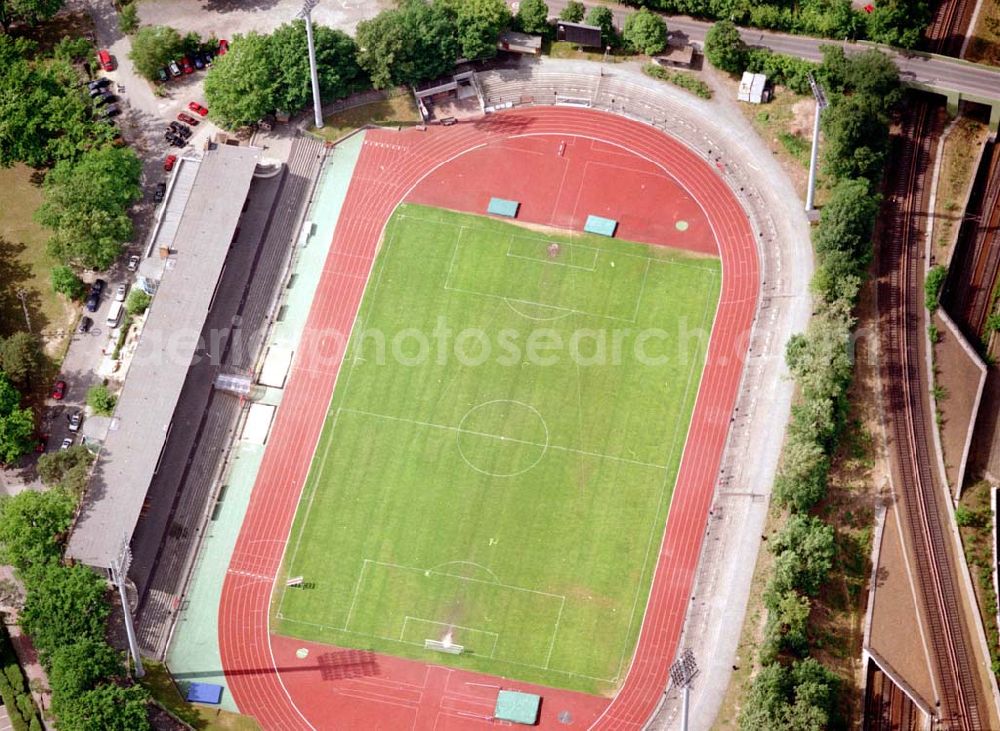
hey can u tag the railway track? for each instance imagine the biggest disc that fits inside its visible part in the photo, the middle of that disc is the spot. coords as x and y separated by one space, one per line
887 707
900 301
968 293
946 32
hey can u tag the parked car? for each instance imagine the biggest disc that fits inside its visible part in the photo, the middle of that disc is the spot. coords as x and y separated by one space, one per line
196 107
168 164
209 55
85 324
93 302
161 191
122 289
163 74
182 129
104 98
174 139
106 59
75 420
59 390
133 261
223 47
187 119
186 66
99 83
111 110
174 69
66 443
98 287
198 61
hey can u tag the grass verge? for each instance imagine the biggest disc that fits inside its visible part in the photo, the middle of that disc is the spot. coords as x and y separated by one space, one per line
984 46
958 159
395 111
470 486
975 524
163 689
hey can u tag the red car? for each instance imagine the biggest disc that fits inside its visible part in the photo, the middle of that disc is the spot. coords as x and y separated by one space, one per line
186 66
59 390
223 47
187 119
196 107
107 62
168 164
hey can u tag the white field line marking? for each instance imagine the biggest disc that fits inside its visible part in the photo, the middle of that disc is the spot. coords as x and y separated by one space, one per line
498 437
354 599
555 631
544 244
659 505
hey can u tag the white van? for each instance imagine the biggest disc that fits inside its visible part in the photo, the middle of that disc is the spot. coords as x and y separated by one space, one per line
115 314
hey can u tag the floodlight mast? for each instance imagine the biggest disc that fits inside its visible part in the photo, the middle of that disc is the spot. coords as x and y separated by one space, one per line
682 674
821 103
119 575
306 15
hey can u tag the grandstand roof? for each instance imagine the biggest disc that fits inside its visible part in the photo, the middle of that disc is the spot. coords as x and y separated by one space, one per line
197 230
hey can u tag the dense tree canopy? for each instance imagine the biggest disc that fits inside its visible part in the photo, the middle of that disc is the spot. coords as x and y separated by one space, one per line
573 12
603 18
645 32
479 22
848 219
19 357
109 708
724 48
533 16
153 47
413 43
17 425
27 11
77 668
336 52
239 88
30 526
86 205
65 604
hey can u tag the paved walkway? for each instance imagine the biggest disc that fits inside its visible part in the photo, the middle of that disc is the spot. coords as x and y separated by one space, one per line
193 654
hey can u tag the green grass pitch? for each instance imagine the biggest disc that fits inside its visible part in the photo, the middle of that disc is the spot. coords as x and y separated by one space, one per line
498 459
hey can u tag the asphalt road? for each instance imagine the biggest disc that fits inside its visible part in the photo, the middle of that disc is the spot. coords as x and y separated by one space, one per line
947 74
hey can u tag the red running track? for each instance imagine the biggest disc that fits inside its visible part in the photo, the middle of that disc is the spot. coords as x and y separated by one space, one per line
348 689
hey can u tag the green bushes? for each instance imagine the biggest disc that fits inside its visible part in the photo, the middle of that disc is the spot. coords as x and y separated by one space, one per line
14 691
792 690
686 81
932 286
101 400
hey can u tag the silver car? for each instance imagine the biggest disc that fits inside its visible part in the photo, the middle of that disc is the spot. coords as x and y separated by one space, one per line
75 420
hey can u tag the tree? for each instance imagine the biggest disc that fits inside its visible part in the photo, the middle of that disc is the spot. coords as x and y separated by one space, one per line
79 667
847 220
17 425
109 708
22 103
128 19
410 44
898 23
19 357
645 32
603 18
86 204
29 12
766 701
533 17
573 12
479 22
787 623
336 61
857 137
239 87
54 466
808 544
153 47
138 302
65 604
31 526
724 48
65 281
101 400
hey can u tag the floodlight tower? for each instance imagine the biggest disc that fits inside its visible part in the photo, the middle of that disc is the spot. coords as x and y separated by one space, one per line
821 103
682 673
306 15
119 575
